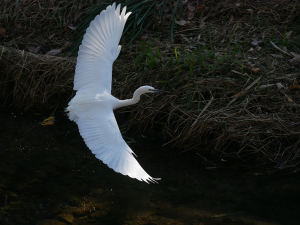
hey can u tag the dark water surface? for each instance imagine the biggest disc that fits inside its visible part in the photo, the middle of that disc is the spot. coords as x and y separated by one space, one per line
48 176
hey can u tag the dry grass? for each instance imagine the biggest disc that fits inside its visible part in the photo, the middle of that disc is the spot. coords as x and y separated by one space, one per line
35 80
216 98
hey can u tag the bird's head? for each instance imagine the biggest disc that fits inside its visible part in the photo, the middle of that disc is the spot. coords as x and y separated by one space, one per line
149 89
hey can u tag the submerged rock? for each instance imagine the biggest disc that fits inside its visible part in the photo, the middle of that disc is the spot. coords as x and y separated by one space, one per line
98 214
86 209
67 217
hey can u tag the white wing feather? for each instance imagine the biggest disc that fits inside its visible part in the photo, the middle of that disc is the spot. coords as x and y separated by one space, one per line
101 134
99 49
92 107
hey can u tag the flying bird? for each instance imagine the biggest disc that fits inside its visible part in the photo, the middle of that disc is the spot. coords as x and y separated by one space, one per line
92 106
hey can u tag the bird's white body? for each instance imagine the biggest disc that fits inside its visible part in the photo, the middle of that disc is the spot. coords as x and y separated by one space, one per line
92 106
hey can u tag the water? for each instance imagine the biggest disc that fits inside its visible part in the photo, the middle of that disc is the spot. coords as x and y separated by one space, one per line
48 176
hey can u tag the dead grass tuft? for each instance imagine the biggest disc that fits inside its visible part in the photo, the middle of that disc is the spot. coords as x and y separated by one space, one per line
30 80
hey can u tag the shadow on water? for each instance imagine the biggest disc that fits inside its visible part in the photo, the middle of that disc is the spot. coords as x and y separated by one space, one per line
48 176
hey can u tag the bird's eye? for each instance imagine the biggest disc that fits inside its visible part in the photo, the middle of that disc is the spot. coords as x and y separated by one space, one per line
150 89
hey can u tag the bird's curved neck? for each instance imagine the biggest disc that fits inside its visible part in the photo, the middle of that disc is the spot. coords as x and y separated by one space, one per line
135 99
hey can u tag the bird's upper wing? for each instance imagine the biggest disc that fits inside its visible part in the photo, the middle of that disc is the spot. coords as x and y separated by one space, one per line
101 134
99 49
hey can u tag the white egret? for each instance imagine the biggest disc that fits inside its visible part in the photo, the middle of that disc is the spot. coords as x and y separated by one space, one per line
92 106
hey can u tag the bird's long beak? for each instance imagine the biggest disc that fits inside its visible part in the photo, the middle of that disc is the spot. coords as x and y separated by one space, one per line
160 90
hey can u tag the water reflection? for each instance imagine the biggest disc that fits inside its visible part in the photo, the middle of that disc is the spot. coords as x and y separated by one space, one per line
48 176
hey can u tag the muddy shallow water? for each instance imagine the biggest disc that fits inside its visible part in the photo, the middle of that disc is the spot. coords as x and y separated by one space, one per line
48 176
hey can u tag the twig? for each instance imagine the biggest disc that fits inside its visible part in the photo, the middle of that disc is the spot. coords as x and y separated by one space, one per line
203 110
280 49
243 92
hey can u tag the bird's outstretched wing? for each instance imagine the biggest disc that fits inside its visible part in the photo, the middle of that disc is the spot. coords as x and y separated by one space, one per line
101 134
99 49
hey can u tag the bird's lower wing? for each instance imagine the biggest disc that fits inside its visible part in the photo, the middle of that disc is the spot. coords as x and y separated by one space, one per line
99 49
102 135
